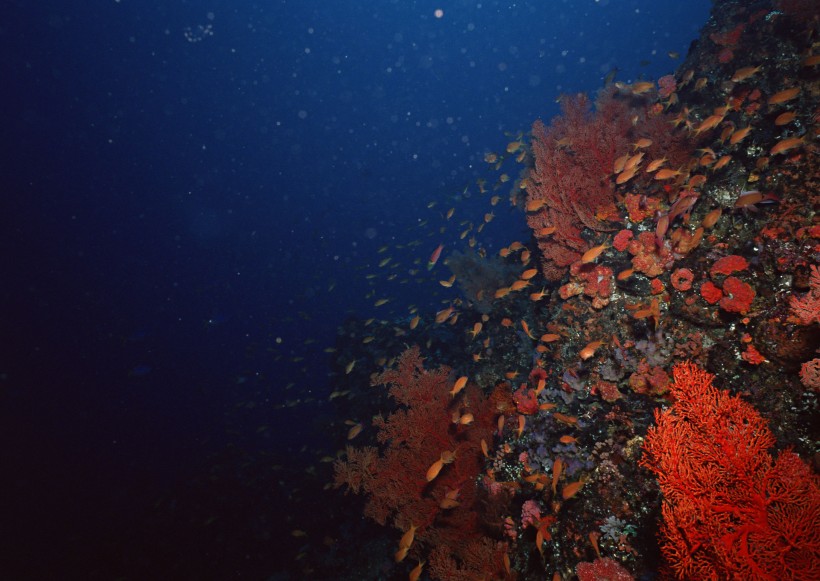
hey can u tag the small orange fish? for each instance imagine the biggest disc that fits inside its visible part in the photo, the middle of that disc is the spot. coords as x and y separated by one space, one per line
542 383
502 292
785 118
533 205
655 164
722 162
541 233
519 284
538 295
557 468
434 470
449 282
526 329
452 493
506 322
416 572
642 143
434 257
354 431
593 253
565 419
626 175
567 440
466 419
785 145
414 322
619 164
666 174
784 95
522 422
748 198
408 537
461 382
642 87
401 554
444 314
529 273
484 448
550 337
590 349
661 228
709 123
744 73
625 274
571 489
711 218
739 135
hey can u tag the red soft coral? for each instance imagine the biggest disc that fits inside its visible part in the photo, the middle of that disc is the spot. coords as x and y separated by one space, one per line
737 296
728 265
682 279
710 292
526 401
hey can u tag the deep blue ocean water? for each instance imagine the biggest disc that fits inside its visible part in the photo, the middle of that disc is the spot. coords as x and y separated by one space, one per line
193 197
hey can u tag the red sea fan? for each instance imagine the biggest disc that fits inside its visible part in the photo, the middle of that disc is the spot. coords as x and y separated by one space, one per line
571 182
731 510
412 438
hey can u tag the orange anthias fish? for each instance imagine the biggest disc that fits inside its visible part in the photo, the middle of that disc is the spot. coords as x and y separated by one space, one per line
785 145
571 489
408 537
459 385
416 572
783 96
593 253
590 349
436 467
527 329
450 499
434 257
557 468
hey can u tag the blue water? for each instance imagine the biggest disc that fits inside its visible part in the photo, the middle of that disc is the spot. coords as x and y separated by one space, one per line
193 194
